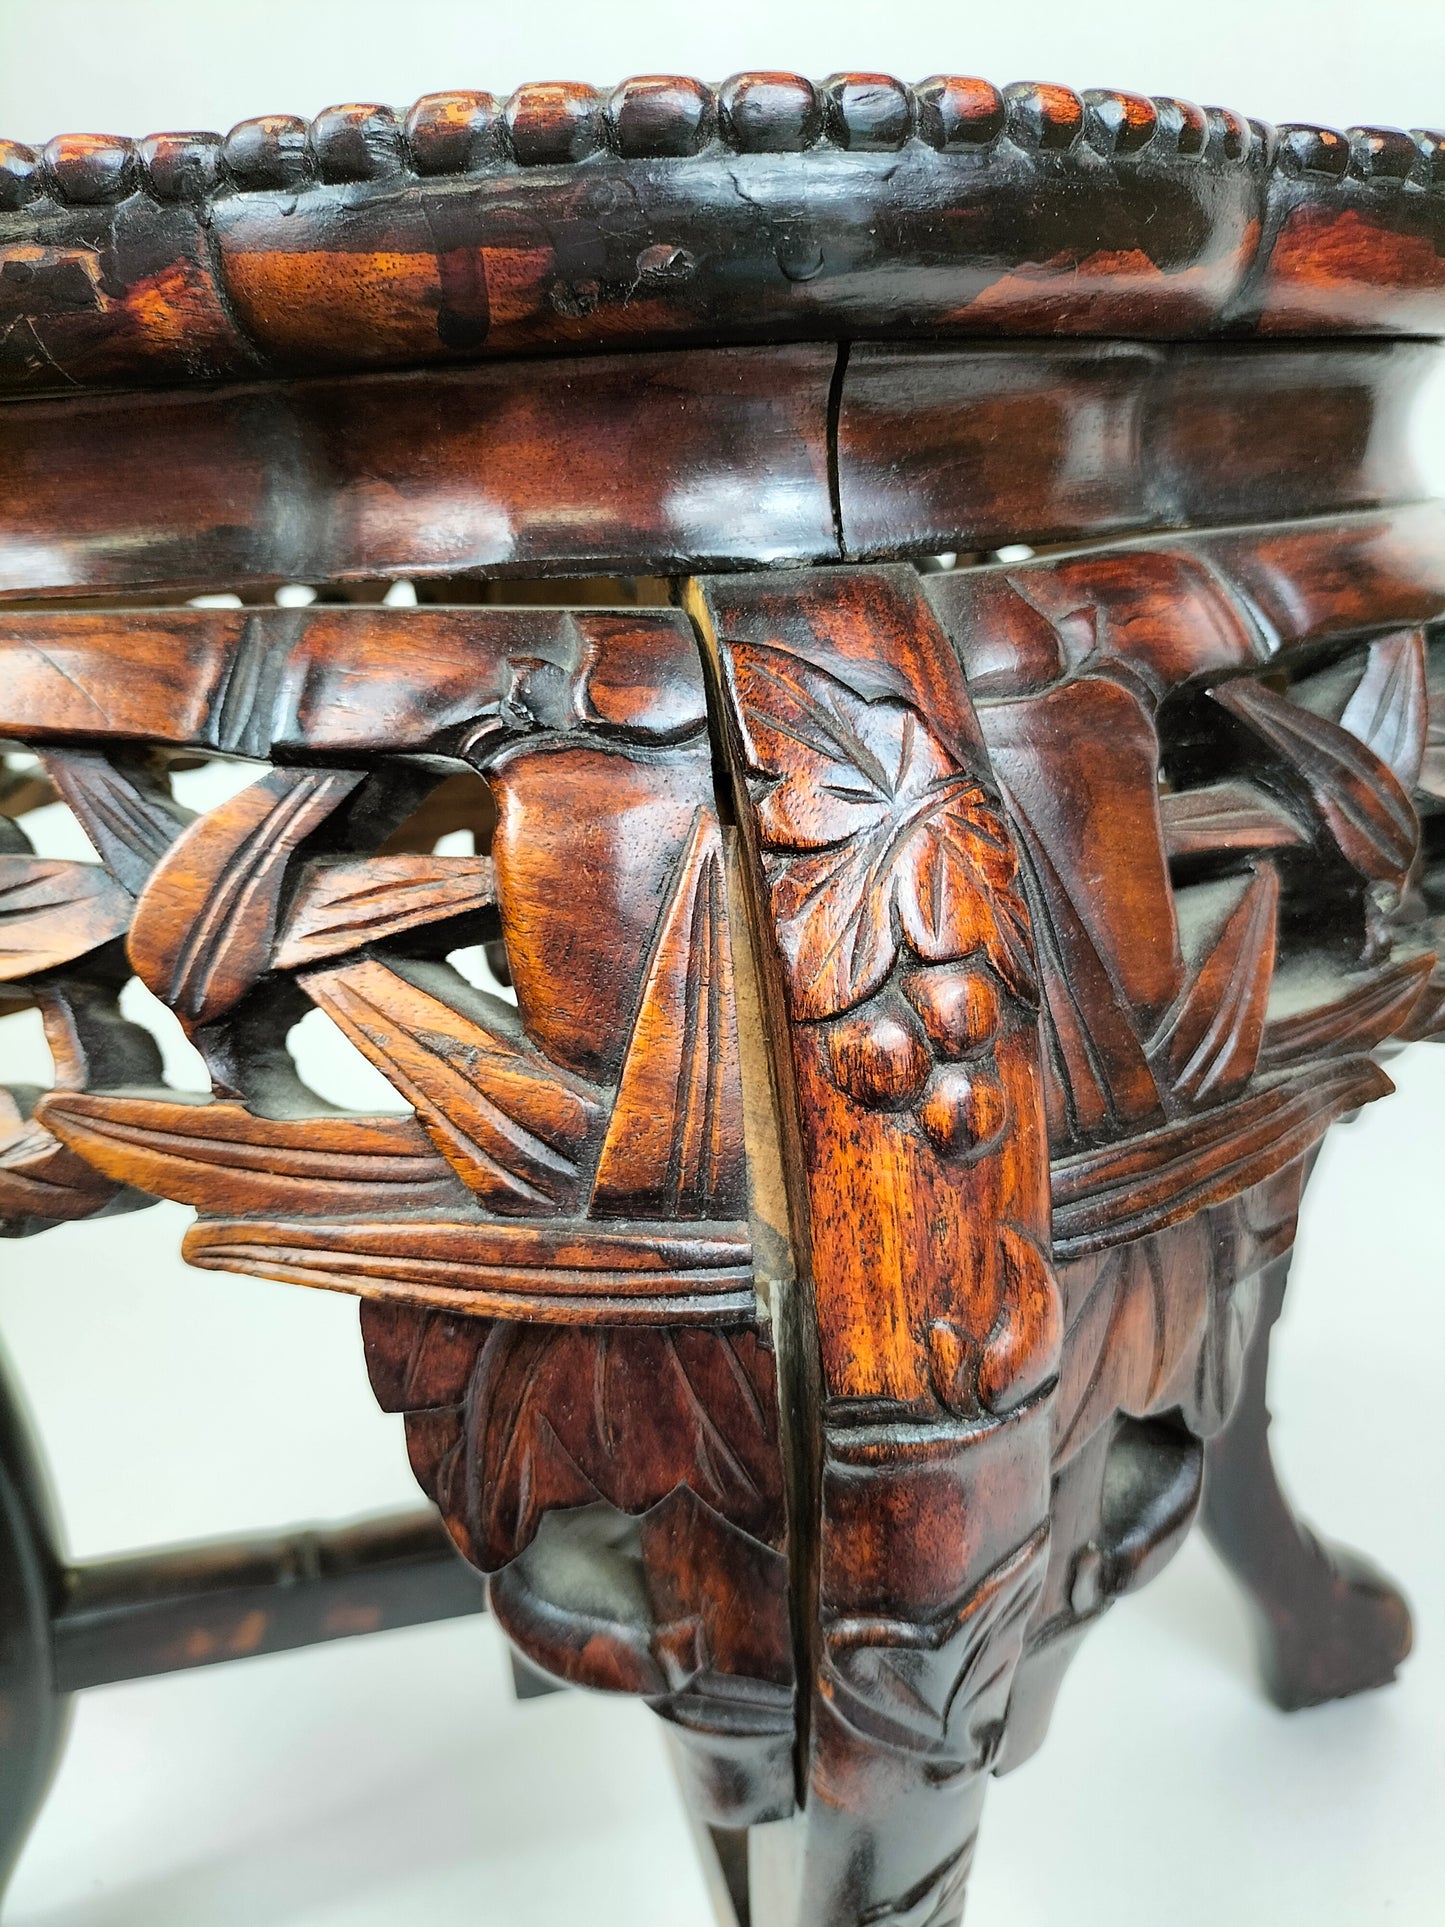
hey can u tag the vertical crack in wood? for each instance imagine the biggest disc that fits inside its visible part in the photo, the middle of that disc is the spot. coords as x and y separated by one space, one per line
778 1211
835 416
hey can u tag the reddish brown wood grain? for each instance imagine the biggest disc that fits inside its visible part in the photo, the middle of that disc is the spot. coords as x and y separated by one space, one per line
1349 250
713 457
879 864
770 207
942 969
1170 608
612 461
945 448
342 681
220 1155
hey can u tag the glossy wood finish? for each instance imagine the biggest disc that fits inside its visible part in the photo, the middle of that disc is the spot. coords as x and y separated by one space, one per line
948 448
768 208
165 1612
1327 1621
897 899
714 458
34 1704
1166 608
898 974
931 914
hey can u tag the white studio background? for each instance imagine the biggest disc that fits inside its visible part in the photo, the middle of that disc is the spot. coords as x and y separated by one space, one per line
392 1781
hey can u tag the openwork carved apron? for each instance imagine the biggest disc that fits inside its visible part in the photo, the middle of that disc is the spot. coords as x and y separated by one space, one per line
852 1101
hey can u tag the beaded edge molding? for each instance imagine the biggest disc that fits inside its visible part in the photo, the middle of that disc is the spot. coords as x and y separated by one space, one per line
557 123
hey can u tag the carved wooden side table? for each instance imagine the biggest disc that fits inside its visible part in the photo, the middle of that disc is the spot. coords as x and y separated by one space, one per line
924 610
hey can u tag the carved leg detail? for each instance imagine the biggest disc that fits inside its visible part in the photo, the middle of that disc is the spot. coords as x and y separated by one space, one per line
715 1275
33 1715
919 1333
1327 1622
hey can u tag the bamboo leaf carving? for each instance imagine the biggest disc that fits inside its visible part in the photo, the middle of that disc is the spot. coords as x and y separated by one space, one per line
53 912
1208 1045
342 903
512 1124
220 1157
1389 710
1358 797
205 924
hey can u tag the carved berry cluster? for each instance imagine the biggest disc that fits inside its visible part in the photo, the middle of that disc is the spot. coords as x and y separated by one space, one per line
930 1049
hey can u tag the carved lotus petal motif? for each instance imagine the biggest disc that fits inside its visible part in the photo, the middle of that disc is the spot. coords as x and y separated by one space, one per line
874 836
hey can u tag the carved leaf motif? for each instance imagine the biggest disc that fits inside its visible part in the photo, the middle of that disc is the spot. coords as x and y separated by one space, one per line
1219 1369
1231 816
53 912
1367 1010
1427 1017
1357 795
92 1046
1081 764
551 1418
1388 711
938 1686
39 1176
555 1271
1134 1313
1105 1197
1432 764
511 1123
1208 1045
674 1143
342 903
933 1902
220 1157
126 811
205 923
587 847
875 836
1097 1076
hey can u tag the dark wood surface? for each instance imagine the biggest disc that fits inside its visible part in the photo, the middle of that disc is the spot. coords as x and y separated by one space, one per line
656 463
34 1704
957 820
164 1612
898 977
968 1004
1327 1622
768 208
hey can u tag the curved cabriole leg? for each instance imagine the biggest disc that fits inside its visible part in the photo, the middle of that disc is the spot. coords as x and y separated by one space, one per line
920 1337
33 1715
1327 1623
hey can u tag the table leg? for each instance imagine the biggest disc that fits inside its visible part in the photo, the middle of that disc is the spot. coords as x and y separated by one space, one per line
919 1330
33 1713
1327 1622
